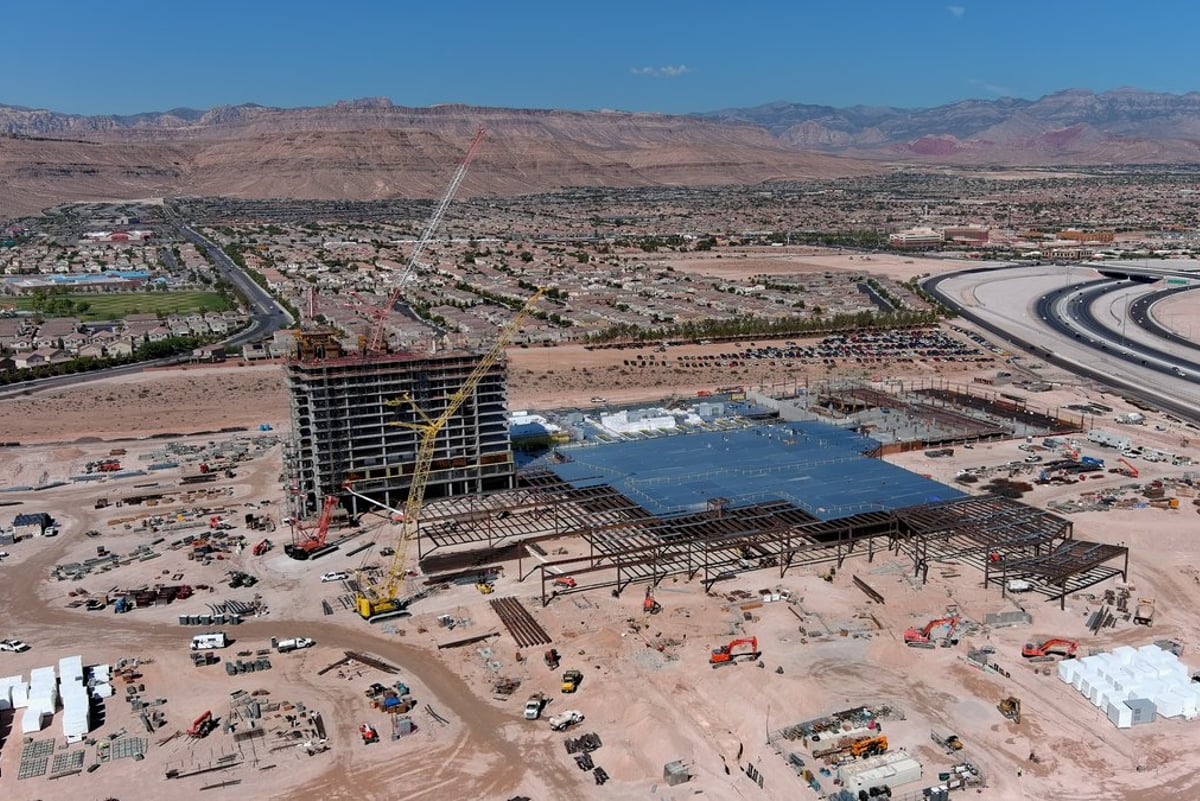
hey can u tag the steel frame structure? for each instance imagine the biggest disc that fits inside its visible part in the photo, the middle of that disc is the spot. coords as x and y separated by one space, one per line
626 544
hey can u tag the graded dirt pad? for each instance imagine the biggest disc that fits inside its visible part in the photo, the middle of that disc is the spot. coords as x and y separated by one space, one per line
648 690
798 260
1178 313
154 401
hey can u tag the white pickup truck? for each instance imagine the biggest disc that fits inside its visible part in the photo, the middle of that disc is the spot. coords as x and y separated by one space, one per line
294 644
564 720
533 707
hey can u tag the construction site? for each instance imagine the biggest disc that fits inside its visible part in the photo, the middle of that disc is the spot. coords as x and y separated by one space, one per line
872 588
886 631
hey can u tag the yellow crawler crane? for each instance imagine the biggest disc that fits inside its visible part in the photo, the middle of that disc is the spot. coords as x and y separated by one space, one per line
383 600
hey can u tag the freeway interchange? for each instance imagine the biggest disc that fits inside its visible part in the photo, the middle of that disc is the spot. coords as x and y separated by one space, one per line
1100 325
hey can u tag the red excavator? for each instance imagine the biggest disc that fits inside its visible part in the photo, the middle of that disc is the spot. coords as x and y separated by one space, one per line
308 542
920 638
1046 650
1129 470
725 655
650 606
261 547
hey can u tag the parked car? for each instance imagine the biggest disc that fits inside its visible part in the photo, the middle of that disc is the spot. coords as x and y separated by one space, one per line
16 646
335 575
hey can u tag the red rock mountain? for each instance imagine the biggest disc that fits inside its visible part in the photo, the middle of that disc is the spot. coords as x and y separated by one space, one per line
371 149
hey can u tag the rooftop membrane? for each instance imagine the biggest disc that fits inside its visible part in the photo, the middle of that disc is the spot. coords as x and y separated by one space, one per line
817 467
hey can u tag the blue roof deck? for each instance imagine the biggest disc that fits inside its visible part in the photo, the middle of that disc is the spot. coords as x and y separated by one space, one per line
817 467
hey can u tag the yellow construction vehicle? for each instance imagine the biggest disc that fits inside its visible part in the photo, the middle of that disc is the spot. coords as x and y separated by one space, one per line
1011 708
383 600
571 680
869 747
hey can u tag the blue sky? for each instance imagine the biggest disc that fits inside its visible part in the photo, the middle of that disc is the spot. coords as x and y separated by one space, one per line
667 56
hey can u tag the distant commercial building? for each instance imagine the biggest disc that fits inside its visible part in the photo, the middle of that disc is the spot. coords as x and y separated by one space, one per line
118 236
916 239
1075 235
348 416
1059 251
967 235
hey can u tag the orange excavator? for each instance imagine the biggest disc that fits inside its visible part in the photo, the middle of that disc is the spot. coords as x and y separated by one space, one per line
1129 470
921 638
1046 650
725 654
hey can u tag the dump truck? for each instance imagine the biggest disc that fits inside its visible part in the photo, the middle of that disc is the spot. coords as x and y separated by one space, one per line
1143 615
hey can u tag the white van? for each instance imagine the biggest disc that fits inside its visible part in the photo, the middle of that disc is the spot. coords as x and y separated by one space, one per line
216 639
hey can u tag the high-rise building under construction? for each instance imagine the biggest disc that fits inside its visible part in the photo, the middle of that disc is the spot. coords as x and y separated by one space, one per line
349 416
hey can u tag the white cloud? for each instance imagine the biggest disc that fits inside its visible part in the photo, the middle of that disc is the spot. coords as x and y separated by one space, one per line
956 11
661 72
995 89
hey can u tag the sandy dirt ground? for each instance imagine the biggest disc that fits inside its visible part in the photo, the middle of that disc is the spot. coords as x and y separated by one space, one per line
648 691
799 261
1178 313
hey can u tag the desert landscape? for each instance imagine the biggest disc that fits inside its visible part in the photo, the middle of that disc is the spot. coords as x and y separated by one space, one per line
647 692
411 403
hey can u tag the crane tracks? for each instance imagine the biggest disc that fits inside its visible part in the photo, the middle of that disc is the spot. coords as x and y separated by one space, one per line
520 624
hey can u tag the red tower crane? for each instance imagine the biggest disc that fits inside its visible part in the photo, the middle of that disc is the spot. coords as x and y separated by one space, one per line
374 343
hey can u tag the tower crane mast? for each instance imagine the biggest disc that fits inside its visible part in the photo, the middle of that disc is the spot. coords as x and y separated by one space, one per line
383 600
376 340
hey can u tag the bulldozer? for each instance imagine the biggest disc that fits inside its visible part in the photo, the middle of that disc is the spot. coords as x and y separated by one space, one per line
1011 708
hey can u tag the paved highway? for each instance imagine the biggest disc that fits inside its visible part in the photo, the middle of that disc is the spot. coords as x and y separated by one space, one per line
1071 311
266 315
1050 322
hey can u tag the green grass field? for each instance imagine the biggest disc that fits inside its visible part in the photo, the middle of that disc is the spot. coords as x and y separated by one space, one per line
114 307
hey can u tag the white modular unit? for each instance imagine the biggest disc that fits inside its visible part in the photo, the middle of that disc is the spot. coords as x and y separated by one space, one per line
1120 714
34 719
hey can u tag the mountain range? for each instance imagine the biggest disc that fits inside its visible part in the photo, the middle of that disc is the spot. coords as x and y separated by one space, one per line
371 148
